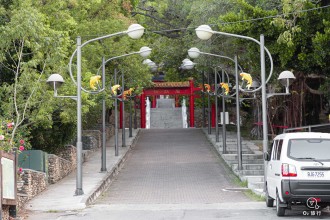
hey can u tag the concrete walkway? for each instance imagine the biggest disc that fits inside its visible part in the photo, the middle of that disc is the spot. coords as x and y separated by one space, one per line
60 196
173 166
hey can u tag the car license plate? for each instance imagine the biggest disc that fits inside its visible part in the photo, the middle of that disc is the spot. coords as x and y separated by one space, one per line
316 174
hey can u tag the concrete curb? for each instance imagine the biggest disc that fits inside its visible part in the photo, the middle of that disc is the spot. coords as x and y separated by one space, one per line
107 180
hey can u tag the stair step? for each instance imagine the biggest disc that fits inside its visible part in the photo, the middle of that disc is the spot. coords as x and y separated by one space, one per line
244 156
253 178
257 161
165 103
249 166
235 152
251 172
166 118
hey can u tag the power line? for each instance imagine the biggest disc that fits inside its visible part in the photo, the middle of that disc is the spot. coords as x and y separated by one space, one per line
275 16
248 20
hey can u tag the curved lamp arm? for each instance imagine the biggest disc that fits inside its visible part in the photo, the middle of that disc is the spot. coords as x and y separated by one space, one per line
204 32
98 70
221 56
105 62
223 95
82 45
134 31
212 93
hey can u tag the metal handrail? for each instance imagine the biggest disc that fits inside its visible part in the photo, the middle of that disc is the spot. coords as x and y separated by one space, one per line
309 127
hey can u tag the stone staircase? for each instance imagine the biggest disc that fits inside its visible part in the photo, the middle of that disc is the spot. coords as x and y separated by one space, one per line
252 160
165 103
166 115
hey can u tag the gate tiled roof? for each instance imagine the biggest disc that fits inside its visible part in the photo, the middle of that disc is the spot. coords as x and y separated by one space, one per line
171 84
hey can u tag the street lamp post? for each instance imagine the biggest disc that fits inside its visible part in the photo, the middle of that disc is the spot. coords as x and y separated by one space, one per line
143 52
123 133
238 120
103 155
116 117
216 105
130 119
203 100
134 31
209 126
204 32
224 141
194 53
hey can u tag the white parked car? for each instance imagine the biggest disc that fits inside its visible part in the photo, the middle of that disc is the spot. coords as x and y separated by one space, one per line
298 171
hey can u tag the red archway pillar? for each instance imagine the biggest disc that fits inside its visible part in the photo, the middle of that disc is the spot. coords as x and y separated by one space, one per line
213 115
143 110
154 101
192 104
177 101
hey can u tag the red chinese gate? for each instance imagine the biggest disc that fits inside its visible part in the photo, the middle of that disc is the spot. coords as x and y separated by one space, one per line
169 88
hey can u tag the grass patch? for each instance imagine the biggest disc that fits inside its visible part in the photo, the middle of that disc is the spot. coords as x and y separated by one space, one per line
259 198
238 182
243 183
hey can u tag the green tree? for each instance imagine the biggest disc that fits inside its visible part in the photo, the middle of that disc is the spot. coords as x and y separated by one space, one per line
37 40
293 32
29 49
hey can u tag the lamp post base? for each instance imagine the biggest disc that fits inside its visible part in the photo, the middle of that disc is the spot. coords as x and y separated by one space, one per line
79 192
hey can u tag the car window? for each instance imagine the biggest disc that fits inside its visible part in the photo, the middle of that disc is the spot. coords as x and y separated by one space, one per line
270 147
318 149
279 150
274 150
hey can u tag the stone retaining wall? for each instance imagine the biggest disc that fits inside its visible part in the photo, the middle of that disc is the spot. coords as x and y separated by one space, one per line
69 153
58 168
21 200
34 182
5 212
92 139
138 119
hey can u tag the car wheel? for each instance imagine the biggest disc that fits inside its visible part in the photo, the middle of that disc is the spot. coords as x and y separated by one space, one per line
269 200
280 211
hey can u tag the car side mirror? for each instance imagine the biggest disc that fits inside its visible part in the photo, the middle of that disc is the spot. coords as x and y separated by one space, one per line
266 156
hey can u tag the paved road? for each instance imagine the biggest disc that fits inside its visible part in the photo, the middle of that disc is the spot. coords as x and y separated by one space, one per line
173 174
172 166
239 211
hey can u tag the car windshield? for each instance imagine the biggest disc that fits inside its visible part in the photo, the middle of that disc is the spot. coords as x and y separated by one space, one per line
316 149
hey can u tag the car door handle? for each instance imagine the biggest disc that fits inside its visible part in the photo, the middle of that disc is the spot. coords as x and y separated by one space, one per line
277 174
